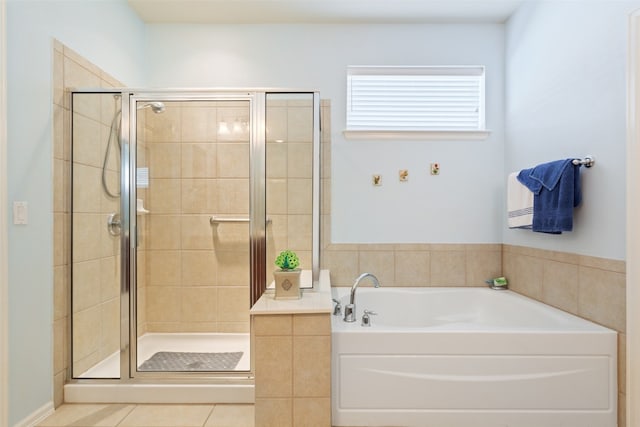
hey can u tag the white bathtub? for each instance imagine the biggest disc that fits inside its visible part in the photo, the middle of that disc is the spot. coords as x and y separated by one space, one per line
470 357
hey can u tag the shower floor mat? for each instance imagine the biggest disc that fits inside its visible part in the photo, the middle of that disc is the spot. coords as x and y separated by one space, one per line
172 361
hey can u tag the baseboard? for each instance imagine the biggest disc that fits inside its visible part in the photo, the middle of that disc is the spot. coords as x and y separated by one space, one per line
39 415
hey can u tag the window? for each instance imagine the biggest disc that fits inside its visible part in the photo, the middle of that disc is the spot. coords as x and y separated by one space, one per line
415 99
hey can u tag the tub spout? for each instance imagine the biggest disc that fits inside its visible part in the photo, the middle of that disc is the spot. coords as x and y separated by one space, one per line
350 309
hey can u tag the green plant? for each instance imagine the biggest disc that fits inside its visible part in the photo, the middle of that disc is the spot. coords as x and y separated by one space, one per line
287 260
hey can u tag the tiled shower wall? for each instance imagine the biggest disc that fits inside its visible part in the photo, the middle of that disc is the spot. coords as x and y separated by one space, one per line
94 261
197 274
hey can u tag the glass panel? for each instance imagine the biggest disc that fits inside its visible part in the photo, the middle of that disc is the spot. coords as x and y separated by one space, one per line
95 248
289 171
192 294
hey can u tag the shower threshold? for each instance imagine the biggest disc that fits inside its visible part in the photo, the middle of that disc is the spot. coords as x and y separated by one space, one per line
101 387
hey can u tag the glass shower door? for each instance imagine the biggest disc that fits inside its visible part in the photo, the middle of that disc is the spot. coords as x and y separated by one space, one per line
192 231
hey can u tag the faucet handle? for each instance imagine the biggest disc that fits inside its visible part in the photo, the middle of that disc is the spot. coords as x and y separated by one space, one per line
366 320
337 311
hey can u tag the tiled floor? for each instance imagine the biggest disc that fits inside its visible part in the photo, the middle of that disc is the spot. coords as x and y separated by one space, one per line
131 415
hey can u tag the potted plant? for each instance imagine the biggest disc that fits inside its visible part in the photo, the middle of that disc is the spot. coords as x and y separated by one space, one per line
287 279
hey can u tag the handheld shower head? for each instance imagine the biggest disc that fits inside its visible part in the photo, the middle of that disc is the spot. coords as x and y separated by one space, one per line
157 107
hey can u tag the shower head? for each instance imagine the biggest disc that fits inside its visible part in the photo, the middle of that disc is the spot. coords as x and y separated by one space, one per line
156 107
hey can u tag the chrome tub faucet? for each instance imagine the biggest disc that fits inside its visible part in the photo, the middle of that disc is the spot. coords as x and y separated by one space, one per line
350 309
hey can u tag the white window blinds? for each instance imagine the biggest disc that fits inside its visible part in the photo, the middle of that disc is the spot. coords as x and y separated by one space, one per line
415 98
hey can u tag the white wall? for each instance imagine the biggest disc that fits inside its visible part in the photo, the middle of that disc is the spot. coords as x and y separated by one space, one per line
566 96
110 35
463 204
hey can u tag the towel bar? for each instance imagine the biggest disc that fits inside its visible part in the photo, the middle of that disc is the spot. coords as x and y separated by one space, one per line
215 220
587 162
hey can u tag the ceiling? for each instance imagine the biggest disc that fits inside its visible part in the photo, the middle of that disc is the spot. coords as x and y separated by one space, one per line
322 11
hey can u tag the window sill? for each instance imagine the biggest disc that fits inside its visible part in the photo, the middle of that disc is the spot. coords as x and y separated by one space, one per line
424 135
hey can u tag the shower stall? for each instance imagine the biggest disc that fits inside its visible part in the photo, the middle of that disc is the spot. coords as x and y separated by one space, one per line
180 201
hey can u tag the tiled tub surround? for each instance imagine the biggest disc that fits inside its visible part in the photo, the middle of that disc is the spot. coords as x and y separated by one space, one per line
292 351
589 287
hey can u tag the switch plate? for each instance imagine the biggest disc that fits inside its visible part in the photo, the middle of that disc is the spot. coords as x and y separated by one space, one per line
20 213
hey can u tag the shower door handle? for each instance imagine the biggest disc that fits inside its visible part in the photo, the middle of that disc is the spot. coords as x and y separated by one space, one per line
114 225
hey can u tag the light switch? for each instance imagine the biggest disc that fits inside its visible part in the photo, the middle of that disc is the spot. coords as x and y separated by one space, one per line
20 213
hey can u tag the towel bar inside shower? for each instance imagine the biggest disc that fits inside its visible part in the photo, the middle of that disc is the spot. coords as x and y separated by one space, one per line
217 219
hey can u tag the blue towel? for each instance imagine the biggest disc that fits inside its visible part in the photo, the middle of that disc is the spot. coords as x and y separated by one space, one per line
556 190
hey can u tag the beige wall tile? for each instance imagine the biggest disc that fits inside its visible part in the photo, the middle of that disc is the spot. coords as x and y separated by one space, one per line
311 366
199 268
164 232
379 263
300 124
85 338
276 196
299 232
602 297
164 268
448 268
233 304
342 265
195 123
560 285
311 324
525 274
164 160
196 232
233 160
164 196
199 304
233 268
272 325
312 412
299 196
86 141
200 196
273 366
86 284
274 412
61 289
233 196
109 328
276 123
165 127
412 268
299 160
482 264
199 160
276 154
164 304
